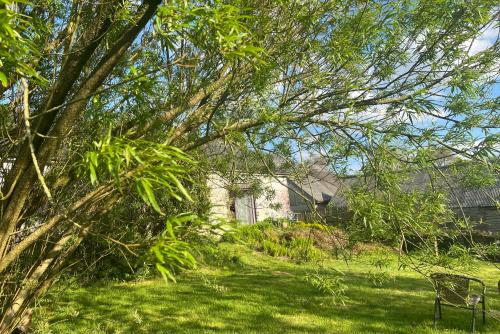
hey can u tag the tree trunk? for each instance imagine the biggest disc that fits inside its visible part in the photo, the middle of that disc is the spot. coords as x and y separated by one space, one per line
19 307
18 315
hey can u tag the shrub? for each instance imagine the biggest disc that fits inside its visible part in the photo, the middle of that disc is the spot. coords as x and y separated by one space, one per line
490 252
273 248
249 234
302 249
295 241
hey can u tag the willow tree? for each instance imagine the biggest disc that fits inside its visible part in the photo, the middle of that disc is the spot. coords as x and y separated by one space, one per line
96 95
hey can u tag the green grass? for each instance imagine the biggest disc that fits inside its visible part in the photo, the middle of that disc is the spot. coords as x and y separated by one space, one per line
262 295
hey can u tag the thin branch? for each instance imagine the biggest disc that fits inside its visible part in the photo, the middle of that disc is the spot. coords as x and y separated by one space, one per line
26 111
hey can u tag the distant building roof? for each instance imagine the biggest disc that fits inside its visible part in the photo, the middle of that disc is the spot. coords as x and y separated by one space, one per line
458 194
468 198
325 187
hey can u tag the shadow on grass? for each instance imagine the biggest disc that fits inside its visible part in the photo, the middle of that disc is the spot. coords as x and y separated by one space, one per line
257 300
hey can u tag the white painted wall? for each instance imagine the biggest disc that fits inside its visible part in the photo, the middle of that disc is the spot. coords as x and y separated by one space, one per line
219 197
275 192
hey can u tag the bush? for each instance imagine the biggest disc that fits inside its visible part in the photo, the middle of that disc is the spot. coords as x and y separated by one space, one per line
249 234
273 248
489 252
293 241
302 249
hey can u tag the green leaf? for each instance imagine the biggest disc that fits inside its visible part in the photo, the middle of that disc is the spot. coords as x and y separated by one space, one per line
3 79
151 198
165 273
93 175
180 186
170 229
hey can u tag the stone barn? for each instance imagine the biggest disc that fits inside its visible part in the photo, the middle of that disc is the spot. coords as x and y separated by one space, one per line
280 196
320 194
246 205
479 205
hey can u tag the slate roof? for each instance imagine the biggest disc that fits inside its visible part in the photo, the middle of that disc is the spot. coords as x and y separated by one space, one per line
468 198
321 190
324 188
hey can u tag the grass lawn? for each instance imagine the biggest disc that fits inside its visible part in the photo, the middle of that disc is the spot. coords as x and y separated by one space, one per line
261 295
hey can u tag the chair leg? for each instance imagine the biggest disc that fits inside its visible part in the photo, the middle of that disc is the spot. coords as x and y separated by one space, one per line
439 309
474 320
484 311
436 310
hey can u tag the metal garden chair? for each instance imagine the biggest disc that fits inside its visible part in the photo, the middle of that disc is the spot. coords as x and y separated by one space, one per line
455 290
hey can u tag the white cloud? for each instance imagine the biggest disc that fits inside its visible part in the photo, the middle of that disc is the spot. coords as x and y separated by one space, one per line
484 41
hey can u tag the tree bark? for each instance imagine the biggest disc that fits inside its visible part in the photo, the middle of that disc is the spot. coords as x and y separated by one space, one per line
39 280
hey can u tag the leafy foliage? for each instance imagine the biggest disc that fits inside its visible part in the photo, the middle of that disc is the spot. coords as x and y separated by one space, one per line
16 47
293 241
365 84
209 25
331 284
397 201
151 165
172 254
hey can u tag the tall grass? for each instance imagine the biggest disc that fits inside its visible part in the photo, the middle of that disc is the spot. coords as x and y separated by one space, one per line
295 241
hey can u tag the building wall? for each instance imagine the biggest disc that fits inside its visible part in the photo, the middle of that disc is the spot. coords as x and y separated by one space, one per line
490 216
219 197
272 203
275 201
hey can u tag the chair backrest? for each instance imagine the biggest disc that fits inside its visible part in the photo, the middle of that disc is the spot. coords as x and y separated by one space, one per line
452 289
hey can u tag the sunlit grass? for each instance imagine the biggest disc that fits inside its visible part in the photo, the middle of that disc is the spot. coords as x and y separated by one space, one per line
261 295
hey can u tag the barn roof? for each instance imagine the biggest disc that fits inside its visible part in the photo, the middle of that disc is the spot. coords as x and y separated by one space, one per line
468 198
326 187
